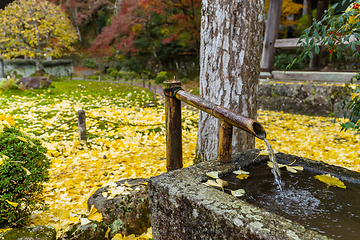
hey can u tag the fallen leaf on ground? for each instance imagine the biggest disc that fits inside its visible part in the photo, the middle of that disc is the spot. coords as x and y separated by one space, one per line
12 203
94 214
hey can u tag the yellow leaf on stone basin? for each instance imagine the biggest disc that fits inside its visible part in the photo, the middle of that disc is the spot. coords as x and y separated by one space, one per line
330 180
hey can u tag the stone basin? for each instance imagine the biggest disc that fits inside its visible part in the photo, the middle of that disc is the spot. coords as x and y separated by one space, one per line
184 208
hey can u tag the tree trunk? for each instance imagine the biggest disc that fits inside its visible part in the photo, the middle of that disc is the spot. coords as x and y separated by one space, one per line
40 71
231 40
271 34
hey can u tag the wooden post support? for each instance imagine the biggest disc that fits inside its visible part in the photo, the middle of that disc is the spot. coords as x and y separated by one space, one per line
81 125
154 94
131 81
173 127
322 5
271 33
149 86
225 142
143 79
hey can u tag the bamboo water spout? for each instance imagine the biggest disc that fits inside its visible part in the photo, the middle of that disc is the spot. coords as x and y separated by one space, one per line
174 94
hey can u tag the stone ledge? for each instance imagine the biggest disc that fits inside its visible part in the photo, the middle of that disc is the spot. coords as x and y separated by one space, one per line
308 99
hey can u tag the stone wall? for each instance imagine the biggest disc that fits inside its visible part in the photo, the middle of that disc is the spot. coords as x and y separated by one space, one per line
297 98
27 67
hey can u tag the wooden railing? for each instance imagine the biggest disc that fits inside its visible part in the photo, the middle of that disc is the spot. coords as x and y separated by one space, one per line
174 94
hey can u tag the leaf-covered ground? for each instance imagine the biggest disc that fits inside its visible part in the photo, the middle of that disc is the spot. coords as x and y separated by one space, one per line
317 138
126 140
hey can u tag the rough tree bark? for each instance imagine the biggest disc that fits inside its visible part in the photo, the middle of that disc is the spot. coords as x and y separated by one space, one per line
231 41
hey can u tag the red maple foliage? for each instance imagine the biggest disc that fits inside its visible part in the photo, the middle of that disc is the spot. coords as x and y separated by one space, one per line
176 20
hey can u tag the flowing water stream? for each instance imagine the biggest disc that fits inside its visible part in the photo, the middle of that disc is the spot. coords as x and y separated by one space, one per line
275 170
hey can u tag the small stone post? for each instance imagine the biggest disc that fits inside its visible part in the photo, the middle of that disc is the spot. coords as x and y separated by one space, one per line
173 127
99 78
81 125
154 94
143 80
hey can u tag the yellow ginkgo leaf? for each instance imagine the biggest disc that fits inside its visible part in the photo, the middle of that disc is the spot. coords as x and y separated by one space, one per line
264 153
12 203
293 169
73 220
130 237
94 214
240 172
238 193
330 180
126 184
218 183
117 237
26 170
107 233
221 182
5 230
22 139
83 221
214 175
242 176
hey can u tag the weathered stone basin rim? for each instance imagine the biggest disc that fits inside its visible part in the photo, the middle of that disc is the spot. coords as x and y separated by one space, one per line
184 208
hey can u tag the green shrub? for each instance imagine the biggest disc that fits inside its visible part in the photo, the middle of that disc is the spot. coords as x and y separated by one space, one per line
23 170
8 84
93 77
109 70
128 75
90 63
161 77
284 58
114 74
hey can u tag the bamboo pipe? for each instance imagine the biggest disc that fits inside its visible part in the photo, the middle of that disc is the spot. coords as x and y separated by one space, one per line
247 124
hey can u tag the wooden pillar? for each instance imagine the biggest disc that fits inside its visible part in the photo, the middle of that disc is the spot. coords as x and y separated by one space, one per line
271 34
2 70
321 6
81 125
225 142
143 81
173 127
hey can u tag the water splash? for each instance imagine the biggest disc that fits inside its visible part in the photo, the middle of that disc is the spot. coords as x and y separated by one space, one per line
275 170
